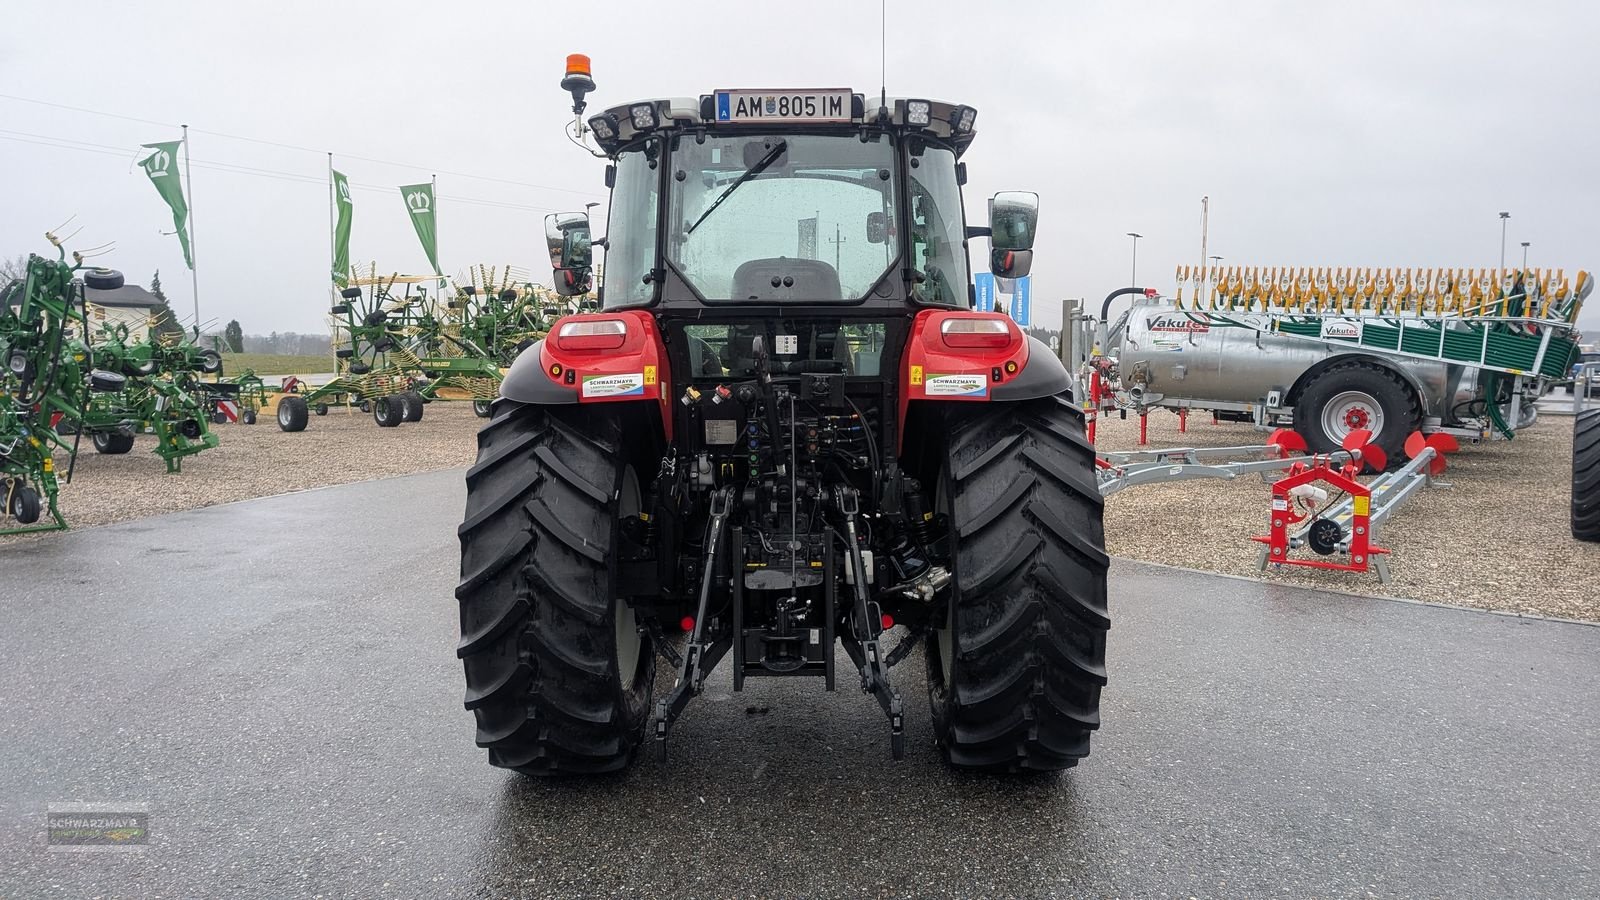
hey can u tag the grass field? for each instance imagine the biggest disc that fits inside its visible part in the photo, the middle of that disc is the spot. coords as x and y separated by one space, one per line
266 364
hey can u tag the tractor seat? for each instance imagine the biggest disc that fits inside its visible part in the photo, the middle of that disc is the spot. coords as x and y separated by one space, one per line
782 278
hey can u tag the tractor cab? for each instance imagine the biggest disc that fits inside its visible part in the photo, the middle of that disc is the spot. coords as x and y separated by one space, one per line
744 198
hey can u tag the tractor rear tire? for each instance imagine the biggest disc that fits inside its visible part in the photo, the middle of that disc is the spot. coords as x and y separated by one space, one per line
292 414
389 411
1586 475
1375 396
1014 676
112 443
413 403
558 674
25 505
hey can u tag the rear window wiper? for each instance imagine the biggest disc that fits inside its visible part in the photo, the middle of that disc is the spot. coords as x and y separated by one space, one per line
760 166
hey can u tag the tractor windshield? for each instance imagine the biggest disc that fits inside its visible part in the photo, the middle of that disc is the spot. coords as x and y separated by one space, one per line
803 217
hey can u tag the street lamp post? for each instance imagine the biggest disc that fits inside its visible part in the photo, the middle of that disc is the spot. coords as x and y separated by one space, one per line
1503 217
1134 282
1525 255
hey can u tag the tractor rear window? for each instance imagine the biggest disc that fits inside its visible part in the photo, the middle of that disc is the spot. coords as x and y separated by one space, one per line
782 217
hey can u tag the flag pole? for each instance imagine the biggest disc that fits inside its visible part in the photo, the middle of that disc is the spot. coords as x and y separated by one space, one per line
433 183
333 202
194 272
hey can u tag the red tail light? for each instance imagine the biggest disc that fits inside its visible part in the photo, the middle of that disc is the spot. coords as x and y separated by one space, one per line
975 334
592 334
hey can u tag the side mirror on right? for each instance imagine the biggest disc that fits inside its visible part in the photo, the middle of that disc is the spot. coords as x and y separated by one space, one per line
1013 223
877 228
571 253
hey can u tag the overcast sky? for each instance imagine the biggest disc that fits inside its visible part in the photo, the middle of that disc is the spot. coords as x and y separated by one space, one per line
1356 133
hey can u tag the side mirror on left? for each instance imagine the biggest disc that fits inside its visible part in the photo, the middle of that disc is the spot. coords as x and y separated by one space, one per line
571 251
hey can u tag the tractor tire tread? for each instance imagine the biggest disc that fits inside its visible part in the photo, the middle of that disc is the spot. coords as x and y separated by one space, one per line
538 643
1030 617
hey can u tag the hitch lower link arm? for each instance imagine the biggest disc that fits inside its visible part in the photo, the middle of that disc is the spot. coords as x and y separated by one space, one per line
700 656
861 640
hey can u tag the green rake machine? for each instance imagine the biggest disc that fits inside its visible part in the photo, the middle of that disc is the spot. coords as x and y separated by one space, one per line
395 351
60 384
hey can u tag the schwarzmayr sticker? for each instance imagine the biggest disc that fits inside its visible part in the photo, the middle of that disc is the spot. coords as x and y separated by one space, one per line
613 385
956 386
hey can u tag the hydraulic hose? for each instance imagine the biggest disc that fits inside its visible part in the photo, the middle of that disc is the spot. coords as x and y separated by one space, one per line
1102 333
1491 393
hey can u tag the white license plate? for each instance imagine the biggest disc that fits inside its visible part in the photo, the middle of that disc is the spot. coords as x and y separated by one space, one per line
783 106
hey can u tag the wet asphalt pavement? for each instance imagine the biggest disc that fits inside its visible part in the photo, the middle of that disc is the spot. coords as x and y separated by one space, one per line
276 681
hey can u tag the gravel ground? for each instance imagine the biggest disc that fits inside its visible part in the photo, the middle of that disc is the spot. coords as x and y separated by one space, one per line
259 460
1496 538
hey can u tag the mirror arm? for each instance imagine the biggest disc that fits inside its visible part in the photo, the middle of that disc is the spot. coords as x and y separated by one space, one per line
982 231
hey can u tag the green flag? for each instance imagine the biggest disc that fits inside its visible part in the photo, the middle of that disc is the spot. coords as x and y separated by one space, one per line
341 231
162 167
419 203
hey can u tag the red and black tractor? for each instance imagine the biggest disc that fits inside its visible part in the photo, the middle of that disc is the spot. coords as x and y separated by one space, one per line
784 428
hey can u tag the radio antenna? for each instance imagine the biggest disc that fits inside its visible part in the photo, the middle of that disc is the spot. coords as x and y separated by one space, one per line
883 56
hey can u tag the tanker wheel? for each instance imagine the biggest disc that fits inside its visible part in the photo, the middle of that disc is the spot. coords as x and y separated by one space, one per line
112 443
292 414
1586 475
24 504
1014 674
1358 395
389 411
481 408
558 676
413 402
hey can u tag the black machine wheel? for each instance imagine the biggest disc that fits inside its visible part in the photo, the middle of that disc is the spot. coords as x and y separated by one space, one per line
1014 676
103 279
339 309
359 368
249 416
365 406
413 405
482 408
210 362
112 443
292 414
344 353
1586 475
1352 395
322 409
24 504
351 293
558 675
219 418
389 411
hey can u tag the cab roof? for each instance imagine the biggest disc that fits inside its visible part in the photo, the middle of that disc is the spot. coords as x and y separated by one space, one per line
691 114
